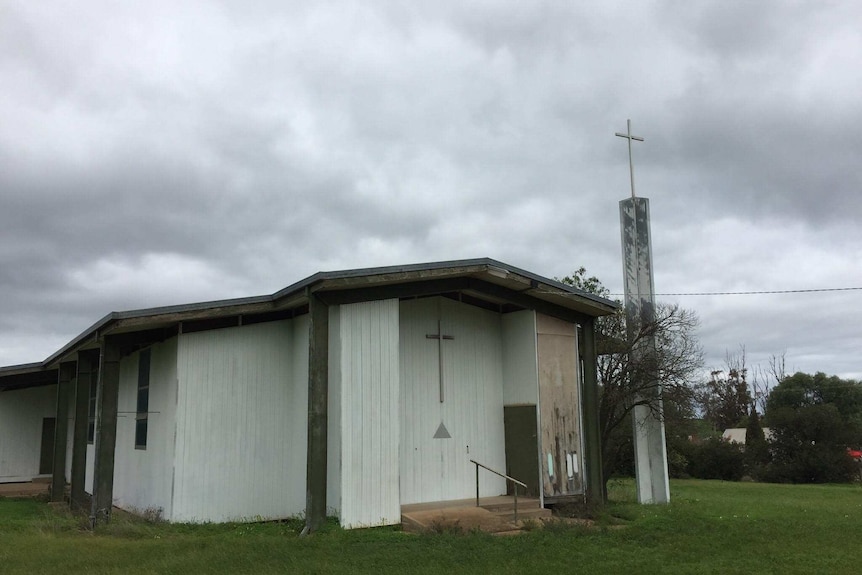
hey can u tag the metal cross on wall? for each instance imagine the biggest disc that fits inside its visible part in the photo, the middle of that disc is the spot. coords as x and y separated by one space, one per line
439 337
629 137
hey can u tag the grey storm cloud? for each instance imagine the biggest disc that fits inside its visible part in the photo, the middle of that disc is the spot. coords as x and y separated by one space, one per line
161 153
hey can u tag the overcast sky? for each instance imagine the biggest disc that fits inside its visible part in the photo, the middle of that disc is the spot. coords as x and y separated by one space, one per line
158 153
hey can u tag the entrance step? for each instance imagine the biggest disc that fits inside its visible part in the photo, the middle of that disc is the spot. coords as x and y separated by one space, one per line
28 489
494 515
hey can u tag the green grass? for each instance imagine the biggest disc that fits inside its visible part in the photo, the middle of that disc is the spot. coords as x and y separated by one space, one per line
710 527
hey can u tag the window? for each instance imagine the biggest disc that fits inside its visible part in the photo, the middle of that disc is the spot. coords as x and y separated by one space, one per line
141 417
91 410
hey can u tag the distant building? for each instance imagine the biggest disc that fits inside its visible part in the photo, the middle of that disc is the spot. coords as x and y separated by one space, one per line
737 434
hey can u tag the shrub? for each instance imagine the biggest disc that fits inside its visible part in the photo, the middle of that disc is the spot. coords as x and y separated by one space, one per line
716 459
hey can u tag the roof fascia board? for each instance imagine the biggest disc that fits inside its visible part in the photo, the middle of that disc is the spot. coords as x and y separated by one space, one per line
319 281
526 300
417 288
173 316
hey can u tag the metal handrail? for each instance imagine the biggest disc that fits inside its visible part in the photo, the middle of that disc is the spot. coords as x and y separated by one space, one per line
515 483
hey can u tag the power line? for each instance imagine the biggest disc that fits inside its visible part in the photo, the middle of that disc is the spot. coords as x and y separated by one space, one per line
761 292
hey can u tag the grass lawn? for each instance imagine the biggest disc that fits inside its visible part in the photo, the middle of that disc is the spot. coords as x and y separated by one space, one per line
710 527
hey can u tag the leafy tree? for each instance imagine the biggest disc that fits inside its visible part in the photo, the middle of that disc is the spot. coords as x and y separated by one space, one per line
814 419
756 447
754 431
627 379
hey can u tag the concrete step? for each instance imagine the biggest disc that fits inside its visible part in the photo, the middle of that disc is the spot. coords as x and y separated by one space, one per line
524 514
523 504
23 489
453 519
494 515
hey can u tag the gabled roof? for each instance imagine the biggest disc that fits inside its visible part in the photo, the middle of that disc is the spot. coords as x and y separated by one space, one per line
485 280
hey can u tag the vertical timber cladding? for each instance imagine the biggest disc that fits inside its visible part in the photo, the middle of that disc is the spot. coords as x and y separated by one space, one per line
561 457
143 477
368 400
434 462
241 422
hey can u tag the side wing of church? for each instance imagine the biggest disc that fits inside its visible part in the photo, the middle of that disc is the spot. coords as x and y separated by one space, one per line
349 393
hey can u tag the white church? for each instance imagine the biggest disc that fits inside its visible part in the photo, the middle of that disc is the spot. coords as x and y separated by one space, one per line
349 393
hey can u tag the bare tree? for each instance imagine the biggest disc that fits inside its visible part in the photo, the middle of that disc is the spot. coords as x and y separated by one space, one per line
630 379
777 367
725 399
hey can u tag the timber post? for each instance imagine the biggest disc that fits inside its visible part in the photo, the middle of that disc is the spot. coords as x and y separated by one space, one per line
107 395
592 424
87 362
318 398
61 426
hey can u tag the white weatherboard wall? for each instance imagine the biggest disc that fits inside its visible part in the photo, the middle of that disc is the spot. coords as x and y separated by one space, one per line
369 405
143 477
472 411
89 468
520 372
241 423
21 415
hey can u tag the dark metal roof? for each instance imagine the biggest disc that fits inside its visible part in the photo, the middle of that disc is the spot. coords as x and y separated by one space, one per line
487 269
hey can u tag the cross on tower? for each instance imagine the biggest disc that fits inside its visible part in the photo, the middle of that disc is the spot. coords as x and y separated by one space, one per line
629 137
439 337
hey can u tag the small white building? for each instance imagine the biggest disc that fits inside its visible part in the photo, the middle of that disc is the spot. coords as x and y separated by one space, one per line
738 434
349 393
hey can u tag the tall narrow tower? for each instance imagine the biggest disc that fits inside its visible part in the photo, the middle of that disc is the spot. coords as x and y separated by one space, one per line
647 416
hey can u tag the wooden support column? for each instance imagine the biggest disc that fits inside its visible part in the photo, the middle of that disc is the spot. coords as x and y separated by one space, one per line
58 469
318 396
87 362
592 425
107 394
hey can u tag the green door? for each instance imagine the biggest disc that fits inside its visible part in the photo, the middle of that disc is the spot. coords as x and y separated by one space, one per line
522 447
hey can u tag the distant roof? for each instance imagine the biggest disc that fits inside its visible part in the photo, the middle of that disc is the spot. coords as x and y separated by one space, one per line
487 278
738 434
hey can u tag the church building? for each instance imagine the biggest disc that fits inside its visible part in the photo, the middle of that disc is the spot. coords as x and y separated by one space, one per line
349 393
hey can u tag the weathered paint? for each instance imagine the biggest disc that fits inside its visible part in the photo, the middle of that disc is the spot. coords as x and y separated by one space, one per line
241 423
562 472
21 415
369 402
440 469
648 425
143 477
